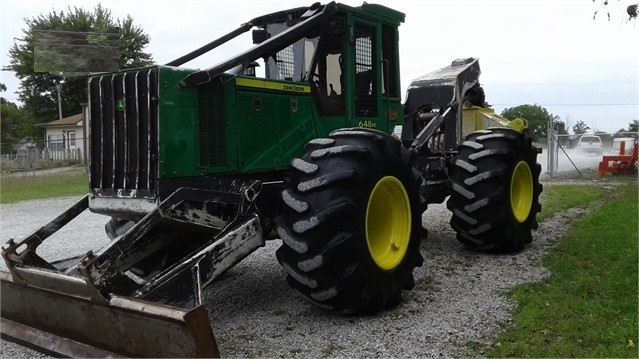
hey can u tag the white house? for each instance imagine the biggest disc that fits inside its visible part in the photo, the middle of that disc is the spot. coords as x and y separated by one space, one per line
64 137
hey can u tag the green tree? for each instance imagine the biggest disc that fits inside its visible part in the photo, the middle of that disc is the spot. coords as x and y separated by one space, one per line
632 131
580 128
39 90
13 123
536 116
560 127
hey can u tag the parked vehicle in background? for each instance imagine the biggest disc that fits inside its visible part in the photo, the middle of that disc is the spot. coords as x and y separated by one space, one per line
590 144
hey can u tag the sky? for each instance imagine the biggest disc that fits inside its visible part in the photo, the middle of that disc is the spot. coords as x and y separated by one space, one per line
546 52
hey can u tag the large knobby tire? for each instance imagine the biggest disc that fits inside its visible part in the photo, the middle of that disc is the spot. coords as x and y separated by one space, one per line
350 224
495 190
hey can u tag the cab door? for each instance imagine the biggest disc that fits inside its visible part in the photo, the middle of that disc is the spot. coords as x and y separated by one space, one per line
377 103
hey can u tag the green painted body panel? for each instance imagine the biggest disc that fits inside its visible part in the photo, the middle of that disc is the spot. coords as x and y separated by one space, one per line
272 126
263 128
179 153
177 113
376 12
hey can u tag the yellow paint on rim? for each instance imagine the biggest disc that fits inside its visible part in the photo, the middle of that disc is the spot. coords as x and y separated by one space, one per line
388 223
521 191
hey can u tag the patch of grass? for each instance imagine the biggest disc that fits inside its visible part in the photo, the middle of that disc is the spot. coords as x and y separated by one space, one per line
460 263
21 188
557 198
428 284
331 349
452 264
398 313
588 306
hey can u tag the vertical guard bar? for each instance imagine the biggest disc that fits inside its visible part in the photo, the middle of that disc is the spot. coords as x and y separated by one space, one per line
114 134
125 139
137 134
149 133
101 143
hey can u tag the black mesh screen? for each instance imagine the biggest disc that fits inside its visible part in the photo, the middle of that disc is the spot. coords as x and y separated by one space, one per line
212 125
285 63
365 72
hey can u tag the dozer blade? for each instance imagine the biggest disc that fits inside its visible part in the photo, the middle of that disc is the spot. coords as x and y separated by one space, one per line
62 324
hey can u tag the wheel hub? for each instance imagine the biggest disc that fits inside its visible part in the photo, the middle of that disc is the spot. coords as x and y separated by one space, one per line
388 223
521 191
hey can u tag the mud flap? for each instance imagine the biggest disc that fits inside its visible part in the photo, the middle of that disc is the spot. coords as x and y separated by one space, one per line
61 324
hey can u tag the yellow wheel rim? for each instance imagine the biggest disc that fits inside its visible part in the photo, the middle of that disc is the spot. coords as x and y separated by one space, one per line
521 191
388 223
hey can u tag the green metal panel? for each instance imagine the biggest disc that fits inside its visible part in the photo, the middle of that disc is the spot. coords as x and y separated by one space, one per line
177 125
274 121
375 12
197 133
295 125
217 127
326 124
224 128
257 131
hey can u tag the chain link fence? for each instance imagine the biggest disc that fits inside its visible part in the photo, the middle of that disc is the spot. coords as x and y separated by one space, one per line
563 154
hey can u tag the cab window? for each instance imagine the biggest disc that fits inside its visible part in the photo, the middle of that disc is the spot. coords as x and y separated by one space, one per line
365 71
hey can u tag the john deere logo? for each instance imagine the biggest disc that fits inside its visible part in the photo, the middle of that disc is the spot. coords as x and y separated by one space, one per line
120 105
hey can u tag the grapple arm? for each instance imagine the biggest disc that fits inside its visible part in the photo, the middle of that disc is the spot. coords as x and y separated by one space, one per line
95 306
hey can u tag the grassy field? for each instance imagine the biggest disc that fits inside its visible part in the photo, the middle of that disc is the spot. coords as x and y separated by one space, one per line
588 306
27 187
557 198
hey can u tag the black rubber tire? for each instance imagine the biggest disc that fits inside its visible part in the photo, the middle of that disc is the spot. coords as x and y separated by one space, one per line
325 248
481 180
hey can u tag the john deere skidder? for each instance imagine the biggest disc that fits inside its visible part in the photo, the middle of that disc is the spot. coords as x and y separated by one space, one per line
197 168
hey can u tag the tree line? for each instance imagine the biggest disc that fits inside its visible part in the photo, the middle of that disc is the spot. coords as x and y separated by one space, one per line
40 89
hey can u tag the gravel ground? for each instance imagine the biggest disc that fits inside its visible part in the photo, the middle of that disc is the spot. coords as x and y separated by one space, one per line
456 309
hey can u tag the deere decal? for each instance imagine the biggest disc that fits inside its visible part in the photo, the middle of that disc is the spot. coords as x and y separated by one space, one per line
273 85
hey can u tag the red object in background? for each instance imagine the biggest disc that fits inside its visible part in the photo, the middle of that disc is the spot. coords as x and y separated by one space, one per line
621 163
